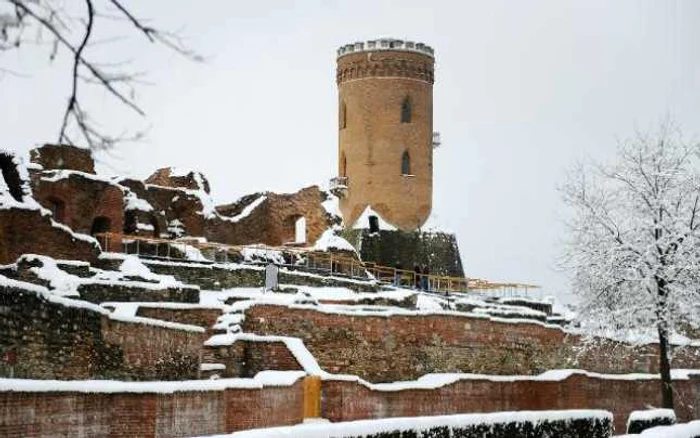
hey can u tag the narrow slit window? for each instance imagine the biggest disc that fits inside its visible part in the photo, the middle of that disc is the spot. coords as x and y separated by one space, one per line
406 110
343 166
405 164
343 115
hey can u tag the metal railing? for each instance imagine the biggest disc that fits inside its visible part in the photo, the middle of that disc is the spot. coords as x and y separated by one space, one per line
307 257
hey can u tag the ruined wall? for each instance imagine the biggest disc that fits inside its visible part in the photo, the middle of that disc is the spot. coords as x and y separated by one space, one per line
192 180
24 231
82 200
180 414
247 358
130 293
59 157
438 251
272 222
348 401
218 277
405 347
202 317
53 341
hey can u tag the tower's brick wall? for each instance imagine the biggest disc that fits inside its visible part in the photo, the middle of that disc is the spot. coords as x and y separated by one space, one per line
372 86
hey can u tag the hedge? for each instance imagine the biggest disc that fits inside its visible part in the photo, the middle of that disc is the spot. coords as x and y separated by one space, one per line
524 424
640 421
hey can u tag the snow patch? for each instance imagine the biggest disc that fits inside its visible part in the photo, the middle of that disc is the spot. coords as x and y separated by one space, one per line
362 222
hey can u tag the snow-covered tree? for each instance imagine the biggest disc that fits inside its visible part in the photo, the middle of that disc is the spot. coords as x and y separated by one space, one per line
71 29
634 240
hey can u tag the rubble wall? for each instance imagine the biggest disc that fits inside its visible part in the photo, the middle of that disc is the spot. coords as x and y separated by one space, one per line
48 340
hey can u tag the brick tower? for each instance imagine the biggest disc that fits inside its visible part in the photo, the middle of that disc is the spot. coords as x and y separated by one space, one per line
385 130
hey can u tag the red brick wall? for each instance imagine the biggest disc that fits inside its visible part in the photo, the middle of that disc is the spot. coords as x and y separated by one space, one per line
52 156
347 401
405 347
28 232
84 200
26 415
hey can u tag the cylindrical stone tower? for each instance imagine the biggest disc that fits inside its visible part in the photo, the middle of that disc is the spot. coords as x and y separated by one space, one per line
385 156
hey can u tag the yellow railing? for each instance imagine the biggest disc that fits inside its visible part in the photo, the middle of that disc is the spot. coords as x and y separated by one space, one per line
334 263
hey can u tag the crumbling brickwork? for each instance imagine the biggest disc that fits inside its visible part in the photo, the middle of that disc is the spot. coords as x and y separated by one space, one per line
24 231
58 157
55 341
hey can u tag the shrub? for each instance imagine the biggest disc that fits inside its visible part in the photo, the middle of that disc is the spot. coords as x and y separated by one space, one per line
640 421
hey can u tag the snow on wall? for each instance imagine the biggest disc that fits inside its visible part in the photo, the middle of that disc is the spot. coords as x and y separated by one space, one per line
362 222
267 378
246 211
329 240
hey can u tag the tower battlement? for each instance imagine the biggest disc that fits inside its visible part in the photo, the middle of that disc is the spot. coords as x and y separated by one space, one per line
386 44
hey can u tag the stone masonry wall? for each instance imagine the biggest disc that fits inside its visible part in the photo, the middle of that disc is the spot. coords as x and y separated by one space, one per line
348 401
202 317
53 341
247 358
101 293
405 347
179 414
213 277
438 251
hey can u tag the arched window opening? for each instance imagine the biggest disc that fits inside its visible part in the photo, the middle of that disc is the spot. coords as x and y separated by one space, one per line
373 224
343 165
58 209
9 172
101 224
406 110
343 115
405 164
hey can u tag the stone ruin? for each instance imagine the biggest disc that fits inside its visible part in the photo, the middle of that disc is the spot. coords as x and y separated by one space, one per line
99 339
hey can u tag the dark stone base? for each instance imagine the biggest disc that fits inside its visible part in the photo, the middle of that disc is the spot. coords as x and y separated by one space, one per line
436 250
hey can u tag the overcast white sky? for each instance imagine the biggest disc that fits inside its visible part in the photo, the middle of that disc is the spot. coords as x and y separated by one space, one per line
523 89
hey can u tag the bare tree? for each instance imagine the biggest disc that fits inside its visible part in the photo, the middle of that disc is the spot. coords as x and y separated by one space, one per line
634 242
70 30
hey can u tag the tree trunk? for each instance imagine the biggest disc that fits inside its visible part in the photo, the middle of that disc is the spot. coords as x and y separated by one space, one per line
665 368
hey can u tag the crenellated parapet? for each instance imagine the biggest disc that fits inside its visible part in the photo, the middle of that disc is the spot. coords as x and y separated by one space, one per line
386 58
386 44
